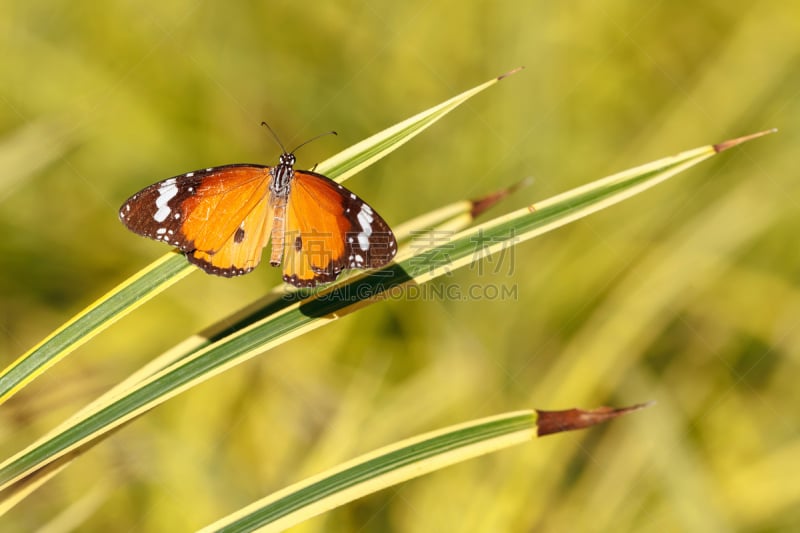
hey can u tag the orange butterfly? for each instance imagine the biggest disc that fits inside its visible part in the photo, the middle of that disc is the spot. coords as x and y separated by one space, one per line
222 218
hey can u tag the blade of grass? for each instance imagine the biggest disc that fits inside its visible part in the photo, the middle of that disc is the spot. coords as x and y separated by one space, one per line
170 268
405 460
337 300
121 300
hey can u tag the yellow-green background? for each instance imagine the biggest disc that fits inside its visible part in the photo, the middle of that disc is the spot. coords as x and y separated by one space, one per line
686 295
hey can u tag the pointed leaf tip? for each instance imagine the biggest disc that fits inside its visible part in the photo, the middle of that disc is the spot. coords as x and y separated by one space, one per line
509 73
724 145
550 422
479 205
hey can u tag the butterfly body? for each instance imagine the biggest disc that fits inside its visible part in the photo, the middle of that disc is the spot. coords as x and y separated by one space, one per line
223 217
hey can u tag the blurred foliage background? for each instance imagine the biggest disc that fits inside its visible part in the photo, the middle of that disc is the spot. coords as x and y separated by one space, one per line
686 295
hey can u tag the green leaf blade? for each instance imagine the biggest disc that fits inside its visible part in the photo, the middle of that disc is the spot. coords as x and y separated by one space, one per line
101 314
380 469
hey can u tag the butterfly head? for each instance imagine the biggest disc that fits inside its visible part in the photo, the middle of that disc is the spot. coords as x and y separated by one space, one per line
287 160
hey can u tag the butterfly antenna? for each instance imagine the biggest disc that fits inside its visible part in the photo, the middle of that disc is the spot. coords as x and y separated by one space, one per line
314 139
275 136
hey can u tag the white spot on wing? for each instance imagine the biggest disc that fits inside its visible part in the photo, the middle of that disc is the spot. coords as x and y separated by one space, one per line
365 219
166 192
363 241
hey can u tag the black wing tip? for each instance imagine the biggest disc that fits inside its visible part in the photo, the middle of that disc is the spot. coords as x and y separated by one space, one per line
126 209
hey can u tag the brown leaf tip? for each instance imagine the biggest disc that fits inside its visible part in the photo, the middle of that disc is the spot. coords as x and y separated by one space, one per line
480 205
724 145
550 422
509 73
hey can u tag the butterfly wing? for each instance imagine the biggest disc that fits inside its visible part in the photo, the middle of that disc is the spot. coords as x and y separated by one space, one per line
329 229
241 252
220 217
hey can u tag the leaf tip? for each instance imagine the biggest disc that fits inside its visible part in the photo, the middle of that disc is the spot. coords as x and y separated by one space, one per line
550 422
480 205
509 73
724 145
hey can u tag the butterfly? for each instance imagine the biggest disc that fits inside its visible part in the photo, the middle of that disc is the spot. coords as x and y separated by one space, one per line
221 218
